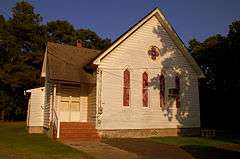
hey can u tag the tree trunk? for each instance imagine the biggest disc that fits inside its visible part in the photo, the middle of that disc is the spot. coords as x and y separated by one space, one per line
2 115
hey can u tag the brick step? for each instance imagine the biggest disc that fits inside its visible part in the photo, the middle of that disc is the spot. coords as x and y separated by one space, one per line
78 131
79 139
76 123
88 129
83 126
78 135
78 126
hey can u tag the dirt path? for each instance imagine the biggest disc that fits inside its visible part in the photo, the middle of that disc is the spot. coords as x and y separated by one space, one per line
101 150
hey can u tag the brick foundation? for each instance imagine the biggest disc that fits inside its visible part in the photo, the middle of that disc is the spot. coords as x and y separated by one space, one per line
141 133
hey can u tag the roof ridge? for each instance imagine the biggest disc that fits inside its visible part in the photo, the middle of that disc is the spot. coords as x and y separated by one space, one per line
67 45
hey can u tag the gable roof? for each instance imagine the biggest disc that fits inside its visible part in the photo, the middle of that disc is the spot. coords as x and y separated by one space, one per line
66 63
168 28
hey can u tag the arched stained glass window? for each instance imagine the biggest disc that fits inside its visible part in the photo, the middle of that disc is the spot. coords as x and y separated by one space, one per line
145 89
126 87
177 85
162 90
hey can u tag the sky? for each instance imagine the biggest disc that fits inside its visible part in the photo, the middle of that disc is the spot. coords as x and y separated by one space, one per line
110 18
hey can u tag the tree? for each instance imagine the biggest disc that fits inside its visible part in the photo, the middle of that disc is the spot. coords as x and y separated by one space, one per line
91 40
25 26
23 41
218 58
61 32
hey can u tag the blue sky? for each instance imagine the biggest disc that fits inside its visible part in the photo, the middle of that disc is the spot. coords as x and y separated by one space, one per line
110 18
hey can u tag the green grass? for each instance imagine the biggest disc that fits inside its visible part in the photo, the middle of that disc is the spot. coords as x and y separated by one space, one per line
15 141
189 141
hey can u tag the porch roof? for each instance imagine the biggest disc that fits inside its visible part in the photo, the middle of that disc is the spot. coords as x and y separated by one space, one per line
66 62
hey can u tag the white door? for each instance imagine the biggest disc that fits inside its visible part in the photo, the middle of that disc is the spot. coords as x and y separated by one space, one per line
70 108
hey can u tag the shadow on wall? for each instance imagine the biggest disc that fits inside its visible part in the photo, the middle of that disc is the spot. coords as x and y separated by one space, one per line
171 68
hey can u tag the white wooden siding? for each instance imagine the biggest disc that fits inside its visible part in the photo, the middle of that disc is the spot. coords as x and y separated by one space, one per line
35 107
132 54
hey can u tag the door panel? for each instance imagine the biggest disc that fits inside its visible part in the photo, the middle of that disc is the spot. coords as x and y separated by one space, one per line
73 95
64 111
75 111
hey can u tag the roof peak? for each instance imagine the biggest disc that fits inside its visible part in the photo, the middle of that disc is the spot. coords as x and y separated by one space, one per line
167 27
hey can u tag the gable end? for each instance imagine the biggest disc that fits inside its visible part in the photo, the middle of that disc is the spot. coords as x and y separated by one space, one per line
170 31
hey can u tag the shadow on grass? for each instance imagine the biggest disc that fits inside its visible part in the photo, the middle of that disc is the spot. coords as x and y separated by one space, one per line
148 149
203 152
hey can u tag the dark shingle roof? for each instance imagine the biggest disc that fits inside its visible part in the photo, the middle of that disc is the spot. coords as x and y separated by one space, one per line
66 62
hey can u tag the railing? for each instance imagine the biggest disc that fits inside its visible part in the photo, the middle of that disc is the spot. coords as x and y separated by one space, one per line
56 124
208 133
55 120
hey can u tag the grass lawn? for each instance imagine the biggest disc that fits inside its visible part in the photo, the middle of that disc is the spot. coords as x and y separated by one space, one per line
16 142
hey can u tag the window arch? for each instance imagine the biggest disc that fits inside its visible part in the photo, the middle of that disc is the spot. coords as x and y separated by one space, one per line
162 90
145 89
177 85
126 87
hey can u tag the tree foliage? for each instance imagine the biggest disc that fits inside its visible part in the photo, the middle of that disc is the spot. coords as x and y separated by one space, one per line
219 58
61 32
23 39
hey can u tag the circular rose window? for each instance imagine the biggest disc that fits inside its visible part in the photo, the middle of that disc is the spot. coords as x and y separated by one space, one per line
153 52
